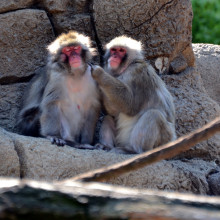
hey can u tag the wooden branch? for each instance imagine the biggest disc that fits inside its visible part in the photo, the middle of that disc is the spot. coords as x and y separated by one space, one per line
24 199
166 151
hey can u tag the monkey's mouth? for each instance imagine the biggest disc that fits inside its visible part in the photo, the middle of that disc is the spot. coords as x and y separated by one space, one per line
75 61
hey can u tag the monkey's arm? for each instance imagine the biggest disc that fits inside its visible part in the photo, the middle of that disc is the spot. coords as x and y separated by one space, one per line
50 120
125 97
29 115
50 117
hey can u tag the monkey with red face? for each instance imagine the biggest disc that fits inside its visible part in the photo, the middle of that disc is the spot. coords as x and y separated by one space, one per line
140 109
68 106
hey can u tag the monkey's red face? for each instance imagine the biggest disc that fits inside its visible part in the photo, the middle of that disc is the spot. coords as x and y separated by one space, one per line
116 56
72 54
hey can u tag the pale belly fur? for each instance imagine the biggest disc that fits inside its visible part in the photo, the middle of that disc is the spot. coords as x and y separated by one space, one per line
81 95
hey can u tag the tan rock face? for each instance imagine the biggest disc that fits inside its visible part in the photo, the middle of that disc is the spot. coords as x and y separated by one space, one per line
9 159
39 160
163 26
11 5
10 102
194 108
24 36
208 65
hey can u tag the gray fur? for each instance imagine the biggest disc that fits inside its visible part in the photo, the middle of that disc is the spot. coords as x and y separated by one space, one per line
70 105
139 101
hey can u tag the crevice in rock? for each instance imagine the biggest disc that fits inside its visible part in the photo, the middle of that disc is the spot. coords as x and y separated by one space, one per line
97 40
14 79
13 10
20 153
38 6
150 19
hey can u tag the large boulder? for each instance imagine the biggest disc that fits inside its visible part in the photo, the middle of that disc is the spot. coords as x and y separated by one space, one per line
23 40
37 159
164 28
12 5
194 108
208 65
27 27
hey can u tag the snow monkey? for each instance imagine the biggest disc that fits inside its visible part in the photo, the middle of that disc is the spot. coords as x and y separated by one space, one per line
140 109
68 105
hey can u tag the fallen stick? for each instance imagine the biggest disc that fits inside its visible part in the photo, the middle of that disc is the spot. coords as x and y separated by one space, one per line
166 151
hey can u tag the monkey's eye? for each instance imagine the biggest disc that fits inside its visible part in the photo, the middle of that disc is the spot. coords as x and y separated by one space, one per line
76 47
66 50
113 50
122 50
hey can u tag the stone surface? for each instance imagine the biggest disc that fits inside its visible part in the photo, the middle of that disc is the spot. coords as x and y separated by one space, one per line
24 36
69 15
208 65
10 102
11 5
68 21
163 26
39 160
9 160
194 108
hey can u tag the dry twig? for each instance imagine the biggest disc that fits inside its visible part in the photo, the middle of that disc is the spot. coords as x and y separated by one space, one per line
166 151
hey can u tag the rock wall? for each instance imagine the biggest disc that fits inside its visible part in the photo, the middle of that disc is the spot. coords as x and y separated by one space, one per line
164 27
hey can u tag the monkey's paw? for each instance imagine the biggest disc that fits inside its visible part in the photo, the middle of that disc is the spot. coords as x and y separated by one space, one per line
97 71
99 146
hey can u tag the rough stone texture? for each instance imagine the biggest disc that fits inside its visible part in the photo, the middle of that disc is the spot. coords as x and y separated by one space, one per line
9 160
68 21
69 15
10 102
163 26
208 65
11 5
24 36
165 29
194 108
40 160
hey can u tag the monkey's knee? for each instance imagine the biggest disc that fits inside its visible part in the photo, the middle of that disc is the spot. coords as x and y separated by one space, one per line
107 132
164 130
152 130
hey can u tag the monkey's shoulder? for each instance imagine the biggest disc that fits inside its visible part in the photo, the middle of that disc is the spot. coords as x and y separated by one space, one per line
140 66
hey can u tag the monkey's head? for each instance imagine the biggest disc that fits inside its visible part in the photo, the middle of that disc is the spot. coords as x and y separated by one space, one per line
70 51
120 53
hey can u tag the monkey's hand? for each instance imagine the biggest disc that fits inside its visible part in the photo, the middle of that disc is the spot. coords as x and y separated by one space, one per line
97 73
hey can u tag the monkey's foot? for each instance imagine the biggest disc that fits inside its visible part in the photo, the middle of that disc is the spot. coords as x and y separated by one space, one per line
100 146
55 140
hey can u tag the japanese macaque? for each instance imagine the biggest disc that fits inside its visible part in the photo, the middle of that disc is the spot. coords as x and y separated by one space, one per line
140 109
69 105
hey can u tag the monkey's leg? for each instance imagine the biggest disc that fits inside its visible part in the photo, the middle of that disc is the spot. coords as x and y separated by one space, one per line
151 130
87 133
107 134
